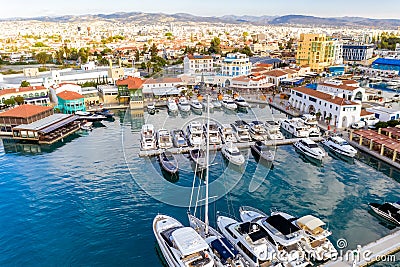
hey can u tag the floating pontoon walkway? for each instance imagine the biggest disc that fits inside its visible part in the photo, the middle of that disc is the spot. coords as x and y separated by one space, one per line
370 253
149 153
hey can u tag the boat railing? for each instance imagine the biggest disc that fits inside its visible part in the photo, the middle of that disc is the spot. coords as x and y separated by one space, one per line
248 208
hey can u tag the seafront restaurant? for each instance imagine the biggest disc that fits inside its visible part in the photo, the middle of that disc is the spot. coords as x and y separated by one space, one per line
392 132
70 102
380 143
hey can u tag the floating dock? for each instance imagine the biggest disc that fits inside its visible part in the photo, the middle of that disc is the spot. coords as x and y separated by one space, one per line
174 150
373 252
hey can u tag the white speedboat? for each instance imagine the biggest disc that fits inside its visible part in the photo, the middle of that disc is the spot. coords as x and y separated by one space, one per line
213 133
296 127
184 104
227 134
171 105
312 123
241 131
285 236
309 148
151 108
147 137
82 113
196 105
339 146
262 153
257 131
241 103
87 126
232 153
178 138
168 162
389 211
164 139
199 158
273 130
181 246
228 103
194 133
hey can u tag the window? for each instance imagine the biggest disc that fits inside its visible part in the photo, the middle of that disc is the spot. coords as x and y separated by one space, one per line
312 99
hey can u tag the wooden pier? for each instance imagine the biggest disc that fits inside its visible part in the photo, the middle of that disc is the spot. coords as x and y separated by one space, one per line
174 150
373 252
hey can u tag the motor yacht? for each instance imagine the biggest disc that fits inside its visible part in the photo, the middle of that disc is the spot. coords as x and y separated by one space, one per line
151 108
196 105
309 148
147 137
262 153
164 139
87 126
213 133
194 133
168 162
232 153
227 134
178 138
296 127
241 131
184 105
228 103
241 103
389 211
199 158
339 146
273 130
312 123
171 105
257 131
181 246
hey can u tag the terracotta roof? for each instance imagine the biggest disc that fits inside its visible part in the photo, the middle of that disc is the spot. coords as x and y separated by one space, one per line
380 139
340 86
163 80
290 71
131 82
198 57
69 95
21 90
324 96
275 73
24 111
264 65
365 113
349 82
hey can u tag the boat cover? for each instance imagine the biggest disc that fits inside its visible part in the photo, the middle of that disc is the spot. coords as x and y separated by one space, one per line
225 254
310 222
282 225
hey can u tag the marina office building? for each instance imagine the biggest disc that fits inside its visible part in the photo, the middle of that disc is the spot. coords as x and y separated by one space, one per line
338 111
357 52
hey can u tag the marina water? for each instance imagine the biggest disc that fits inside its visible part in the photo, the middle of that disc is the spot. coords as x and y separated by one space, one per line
90 200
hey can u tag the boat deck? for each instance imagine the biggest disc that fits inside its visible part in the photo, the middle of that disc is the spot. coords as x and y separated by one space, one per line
155 152
374 252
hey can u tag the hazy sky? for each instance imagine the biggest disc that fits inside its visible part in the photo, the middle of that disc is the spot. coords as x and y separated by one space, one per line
324 8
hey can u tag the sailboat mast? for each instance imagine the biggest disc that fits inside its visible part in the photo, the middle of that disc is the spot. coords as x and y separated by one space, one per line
207 160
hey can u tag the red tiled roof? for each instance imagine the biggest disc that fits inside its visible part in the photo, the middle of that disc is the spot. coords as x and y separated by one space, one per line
340 86
21 90
365 113
69 95
349 82
199 57
131 82
163 80
24 111
275 73
324 96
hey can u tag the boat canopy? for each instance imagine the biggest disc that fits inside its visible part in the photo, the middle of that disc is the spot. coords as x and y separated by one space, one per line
224 249
282 224
311 222
188 241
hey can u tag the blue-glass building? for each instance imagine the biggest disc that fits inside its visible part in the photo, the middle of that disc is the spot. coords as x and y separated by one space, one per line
386 64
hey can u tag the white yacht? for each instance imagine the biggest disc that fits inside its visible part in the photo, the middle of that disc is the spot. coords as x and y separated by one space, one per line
257 131
216 103
232 153
181 246
241 131
273 130
285 235
388 210
178 138
312 123
213 133
226 132
228 103
195 133
184 104
339 146
164 139
252 241
147 137
296 127
196 105
309 148
241 103
171 105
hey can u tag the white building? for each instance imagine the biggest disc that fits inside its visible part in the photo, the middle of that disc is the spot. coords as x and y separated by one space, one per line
342 112
385 114
355 52
162 87
347 89
338 53
235 65
197 64
276 76
250 83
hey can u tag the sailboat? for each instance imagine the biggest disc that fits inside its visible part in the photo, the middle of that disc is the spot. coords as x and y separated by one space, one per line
222 250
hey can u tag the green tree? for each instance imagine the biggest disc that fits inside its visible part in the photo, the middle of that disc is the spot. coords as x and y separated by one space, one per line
19 100
9 102
215 47
42 58
143 66
137 55
153 50
148 65
25 84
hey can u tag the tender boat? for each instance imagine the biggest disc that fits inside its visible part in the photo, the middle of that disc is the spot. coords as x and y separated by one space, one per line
296 127
262 152
184 105
389 211
339 146
87 116
196 105
199 158
228 103
171 105
309 148
273 130
285 236
147 137
181 246
241 131
82 113
194 133
164 140
178 138
312 123
87 126
227 134
216 103
213 133
151 108
168 162
105 112
232 153
257 131
241 103
252 241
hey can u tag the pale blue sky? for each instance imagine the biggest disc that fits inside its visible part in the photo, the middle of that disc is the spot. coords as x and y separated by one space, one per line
324 8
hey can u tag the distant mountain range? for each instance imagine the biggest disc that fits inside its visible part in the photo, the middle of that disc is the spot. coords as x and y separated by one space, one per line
139 17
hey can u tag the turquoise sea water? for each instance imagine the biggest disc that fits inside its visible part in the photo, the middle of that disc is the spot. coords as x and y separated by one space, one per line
90 200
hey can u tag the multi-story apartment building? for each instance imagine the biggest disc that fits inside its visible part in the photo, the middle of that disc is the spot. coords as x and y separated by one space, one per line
197 64
236 64
316 51
33 95
357 52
